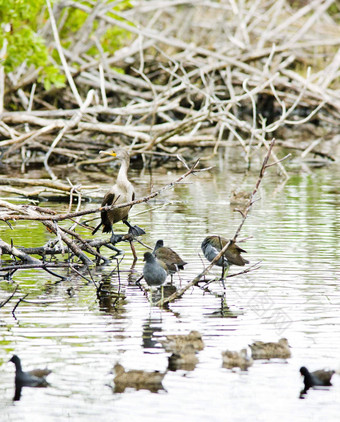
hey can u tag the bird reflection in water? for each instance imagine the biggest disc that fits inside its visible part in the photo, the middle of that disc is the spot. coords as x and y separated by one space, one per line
151 326
137 379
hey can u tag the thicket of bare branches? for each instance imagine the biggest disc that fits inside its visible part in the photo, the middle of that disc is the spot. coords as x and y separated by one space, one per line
196 74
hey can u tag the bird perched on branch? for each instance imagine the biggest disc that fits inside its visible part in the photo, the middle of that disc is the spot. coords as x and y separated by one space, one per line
316 378
171 258
121 192
212 246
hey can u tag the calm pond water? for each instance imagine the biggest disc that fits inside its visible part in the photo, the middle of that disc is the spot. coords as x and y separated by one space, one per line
293 230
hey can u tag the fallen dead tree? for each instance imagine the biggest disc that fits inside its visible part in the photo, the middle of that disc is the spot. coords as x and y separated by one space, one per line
67 242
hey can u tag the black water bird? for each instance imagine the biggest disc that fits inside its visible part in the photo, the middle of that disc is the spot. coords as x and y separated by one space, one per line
121 192
320 377
212 246
171 258
33 378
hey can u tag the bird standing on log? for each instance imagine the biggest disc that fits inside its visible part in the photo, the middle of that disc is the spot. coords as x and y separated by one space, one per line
121 192
171 258
212 246
155 272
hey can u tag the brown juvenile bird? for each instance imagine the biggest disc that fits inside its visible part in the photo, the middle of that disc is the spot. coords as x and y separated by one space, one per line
181 342
137 379
186 359
212 246
121 192
271 350
232 359
240 197
171 258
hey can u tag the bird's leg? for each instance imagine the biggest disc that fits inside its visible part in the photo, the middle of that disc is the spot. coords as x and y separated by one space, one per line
224 273
150 296
222 276
134 230
180 279
162 295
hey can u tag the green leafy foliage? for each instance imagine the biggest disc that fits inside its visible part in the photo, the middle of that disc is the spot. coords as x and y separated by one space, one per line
21 22
24 44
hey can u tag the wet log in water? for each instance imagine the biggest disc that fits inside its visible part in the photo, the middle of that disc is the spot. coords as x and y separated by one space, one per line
68 240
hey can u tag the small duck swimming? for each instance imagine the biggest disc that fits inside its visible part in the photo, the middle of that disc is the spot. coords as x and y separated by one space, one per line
233 359
138 379
178 343
186 359
240 197
271 350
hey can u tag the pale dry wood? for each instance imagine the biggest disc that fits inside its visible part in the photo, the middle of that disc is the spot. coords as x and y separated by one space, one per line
12 250
10 181
204 72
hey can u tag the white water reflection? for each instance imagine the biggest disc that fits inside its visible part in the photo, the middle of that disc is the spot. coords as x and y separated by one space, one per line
294 233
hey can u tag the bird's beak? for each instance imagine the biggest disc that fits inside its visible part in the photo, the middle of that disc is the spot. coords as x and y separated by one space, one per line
112 153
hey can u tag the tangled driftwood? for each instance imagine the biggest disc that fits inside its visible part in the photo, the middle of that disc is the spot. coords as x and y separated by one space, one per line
196 74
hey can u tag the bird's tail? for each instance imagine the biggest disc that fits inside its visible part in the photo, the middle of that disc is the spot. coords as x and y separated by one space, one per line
97 228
